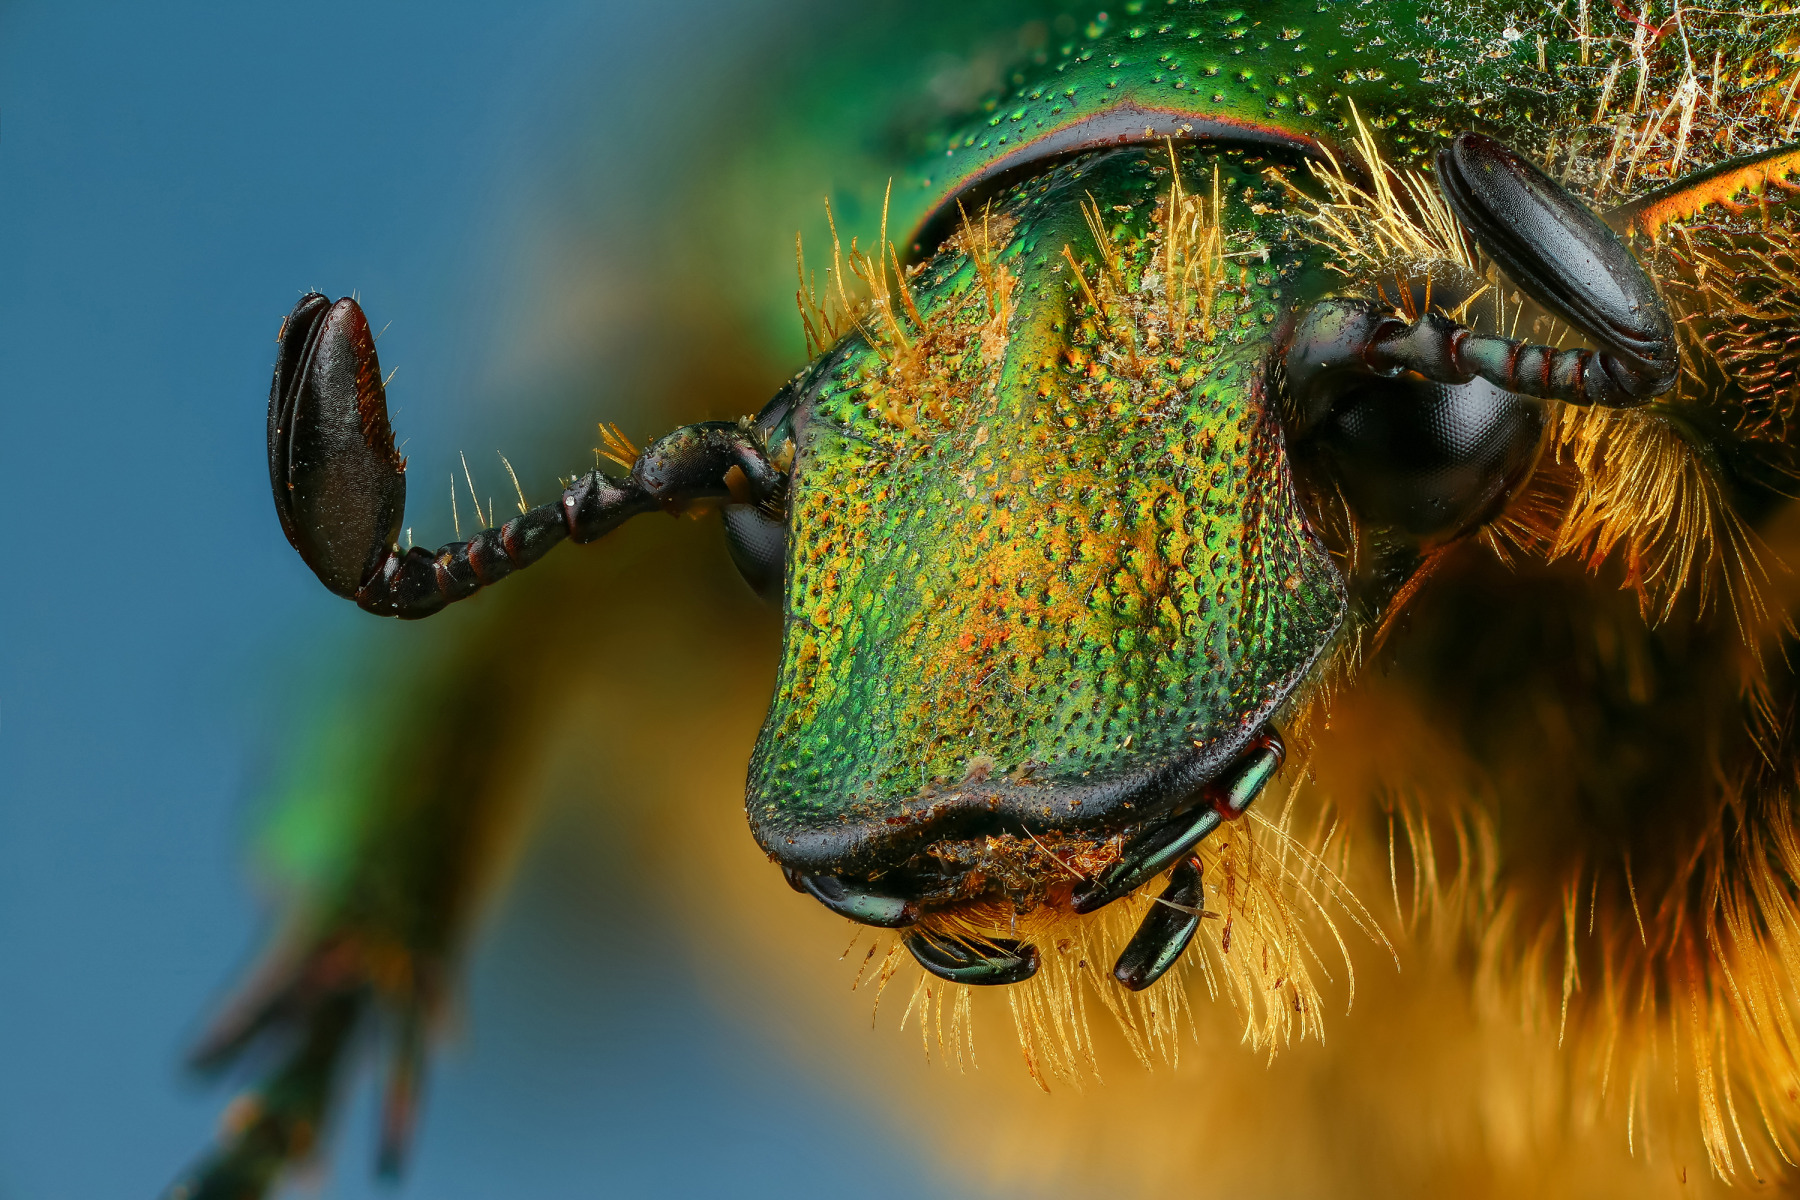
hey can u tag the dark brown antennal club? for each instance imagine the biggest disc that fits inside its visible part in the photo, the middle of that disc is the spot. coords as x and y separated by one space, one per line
1557 250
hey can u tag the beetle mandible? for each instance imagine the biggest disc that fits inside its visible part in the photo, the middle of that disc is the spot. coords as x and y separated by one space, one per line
1203 350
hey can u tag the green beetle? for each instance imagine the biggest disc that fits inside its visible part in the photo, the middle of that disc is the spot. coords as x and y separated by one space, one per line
1180 383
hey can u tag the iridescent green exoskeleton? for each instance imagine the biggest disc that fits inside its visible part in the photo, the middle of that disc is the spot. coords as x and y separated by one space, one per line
1049 579
1116 457
1029 585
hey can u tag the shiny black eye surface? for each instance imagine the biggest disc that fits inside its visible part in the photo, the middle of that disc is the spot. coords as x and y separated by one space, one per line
758 545
757 538
1430 460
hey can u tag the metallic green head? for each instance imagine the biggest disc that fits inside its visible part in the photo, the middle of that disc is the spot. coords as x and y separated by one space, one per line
1047 574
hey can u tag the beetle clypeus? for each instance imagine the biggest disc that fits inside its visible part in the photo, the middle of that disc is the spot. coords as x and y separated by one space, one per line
1214 339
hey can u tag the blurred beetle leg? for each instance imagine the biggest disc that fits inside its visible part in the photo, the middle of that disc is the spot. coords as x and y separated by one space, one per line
1166 930
439 811
279 1123
400 1099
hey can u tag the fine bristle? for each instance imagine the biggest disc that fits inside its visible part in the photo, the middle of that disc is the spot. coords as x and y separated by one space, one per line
1685 990
1278 914
1639 492
1383 226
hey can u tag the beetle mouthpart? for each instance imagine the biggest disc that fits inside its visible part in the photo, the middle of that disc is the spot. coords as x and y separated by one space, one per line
994 962
1167 929
856 901
1150 851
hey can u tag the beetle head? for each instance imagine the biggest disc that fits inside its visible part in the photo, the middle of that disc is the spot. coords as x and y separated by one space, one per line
1047 573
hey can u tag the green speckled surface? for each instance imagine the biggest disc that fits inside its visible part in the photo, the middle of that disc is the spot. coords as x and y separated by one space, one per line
928 108
1051 574
1258 72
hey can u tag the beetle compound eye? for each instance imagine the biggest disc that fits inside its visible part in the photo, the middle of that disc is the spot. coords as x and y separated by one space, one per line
1431 460
758 545
756 534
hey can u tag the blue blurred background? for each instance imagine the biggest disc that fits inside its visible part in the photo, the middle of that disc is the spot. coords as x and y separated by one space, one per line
171 178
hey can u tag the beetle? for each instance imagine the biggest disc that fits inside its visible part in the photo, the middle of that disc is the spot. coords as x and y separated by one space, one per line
1180 389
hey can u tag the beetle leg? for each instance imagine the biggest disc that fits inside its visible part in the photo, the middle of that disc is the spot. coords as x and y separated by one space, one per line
994 961
1151 851
1167 929
1557 251
323 1000
340 486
